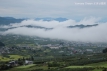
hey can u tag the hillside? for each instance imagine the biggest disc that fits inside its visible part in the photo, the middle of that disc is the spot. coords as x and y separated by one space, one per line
82 26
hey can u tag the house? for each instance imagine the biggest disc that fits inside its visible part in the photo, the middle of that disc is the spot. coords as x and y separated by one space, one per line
61 51
27 62
12 63
89 50
54 47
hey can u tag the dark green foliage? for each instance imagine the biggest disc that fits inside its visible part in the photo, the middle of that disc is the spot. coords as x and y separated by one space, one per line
2 44
21 61
38 62
53 64
105 50
4 67
32 58
38 70
104 69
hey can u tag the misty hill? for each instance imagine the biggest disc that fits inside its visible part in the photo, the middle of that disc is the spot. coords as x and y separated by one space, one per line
39 27
28 26
2 44
76 26
8 20
82 26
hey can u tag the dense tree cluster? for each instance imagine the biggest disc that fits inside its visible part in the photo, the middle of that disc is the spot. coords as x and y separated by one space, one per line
105 50
2 44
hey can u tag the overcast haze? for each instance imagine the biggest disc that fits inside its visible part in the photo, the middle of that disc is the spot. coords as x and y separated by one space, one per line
53 8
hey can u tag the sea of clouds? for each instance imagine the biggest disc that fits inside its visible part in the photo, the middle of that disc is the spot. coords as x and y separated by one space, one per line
60 30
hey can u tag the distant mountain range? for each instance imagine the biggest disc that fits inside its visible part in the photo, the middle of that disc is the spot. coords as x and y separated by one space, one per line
8 20
30 26
39 27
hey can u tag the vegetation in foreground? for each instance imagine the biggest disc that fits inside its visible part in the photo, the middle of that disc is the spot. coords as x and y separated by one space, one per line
74 63
34 67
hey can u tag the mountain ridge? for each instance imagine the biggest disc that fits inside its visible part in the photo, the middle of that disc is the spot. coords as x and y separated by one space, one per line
8 20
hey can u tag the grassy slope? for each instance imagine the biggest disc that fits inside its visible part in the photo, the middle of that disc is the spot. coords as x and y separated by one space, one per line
94 65
15 56
4 58
28 68
100 64
12 57
78 66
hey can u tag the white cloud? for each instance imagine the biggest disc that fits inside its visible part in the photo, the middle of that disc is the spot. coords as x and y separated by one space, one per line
60 31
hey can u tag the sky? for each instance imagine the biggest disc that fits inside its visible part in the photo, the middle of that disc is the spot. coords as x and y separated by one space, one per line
72 9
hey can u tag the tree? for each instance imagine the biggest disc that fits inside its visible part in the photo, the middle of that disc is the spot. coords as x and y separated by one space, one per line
104 50
32 58
1 44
